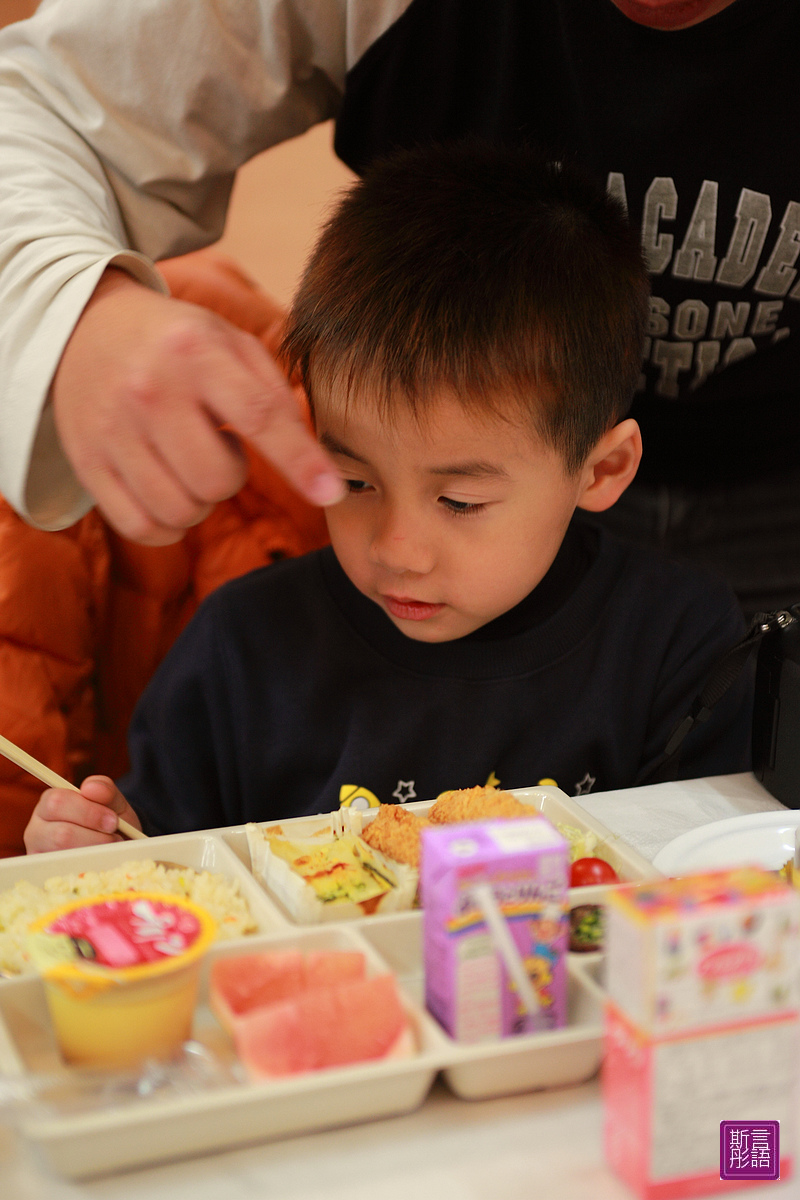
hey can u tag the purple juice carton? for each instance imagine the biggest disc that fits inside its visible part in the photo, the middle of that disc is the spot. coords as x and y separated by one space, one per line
469 988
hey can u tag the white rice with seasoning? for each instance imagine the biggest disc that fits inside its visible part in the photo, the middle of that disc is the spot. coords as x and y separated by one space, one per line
24 902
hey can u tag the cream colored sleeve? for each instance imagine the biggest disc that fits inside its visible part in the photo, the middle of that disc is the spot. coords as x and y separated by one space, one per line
122 125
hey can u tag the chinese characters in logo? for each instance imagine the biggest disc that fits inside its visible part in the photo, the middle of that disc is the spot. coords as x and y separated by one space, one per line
749 1150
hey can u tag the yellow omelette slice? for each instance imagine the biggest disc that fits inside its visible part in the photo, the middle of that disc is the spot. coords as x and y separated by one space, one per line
342 869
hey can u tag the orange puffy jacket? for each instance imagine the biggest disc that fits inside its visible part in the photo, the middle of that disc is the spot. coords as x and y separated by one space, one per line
86 616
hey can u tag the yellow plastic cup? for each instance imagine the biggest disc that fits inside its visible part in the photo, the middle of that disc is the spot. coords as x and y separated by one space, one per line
120 973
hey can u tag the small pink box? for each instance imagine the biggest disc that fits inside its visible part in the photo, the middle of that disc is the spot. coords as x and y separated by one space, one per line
701 1027
467 985
665 1098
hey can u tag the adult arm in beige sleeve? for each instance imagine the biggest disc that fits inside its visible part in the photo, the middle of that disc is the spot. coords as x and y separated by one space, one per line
121 129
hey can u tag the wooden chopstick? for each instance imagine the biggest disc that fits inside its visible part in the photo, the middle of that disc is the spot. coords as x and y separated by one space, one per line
53 779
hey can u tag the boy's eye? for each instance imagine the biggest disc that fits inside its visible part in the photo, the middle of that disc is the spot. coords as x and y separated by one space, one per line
357 486
460 507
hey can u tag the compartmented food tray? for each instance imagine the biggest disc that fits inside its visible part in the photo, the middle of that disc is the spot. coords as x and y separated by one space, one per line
200 851
298 900
108 1138
515 1064
551 802
153 1129
82 1144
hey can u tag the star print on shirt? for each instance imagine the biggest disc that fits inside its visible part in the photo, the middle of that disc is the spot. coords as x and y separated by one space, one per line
585 785
404 791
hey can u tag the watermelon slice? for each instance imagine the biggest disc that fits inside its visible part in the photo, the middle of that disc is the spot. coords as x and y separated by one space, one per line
248 981
349 1022
327 967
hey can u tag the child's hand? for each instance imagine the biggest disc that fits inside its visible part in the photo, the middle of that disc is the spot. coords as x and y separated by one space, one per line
65 819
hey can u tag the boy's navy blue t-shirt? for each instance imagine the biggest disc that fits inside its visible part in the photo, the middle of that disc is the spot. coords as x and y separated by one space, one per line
289 686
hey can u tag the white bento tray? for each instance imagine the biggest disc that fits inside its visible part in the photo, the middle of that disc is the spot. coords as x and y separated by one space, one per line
550 801
510 1065
202 851
83 1144
299 901
155 1129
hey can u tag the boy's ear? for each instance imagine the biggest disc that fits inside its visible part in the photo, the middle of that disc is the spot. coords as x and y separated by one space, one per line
611 466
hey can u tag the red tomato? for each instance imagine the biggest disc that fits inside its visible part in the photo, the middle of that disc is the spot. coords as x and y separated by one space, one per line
591 870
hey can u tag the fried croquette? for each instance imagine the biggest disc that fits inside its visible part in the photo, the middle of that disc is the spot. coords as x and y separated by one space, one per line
395 832
477 804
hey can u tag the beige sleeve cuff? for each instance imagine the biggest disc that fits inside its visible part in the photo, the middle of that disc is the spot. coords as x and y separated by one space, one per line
52 497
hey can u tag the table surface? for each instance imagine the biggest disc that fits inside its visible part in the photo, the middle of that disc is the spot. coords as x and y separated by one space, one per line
544 1145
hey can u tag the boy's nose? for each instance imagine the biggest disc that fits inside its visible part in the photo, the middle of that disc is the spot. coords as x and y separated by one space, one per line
400 547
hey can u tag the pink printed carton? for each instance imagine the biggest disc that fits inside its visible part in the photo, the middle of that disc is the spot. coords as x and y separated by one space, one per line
701 1030
703 950
469 987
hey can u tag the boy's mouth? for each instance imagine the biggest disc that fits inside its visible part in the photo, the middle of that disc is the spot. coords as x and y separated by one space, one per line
411 610
663 14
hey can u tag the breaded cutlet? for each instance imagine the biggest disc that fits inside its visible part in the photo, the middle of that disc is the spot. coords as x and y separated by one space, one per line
477 804
395 832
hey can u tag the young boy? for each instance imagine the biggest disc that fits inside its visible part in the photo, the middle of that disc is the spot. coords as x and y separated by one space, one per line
469 331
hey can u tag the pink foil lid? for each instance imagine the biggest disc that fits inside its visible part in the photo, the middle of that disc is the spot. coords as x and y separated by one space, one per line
129 932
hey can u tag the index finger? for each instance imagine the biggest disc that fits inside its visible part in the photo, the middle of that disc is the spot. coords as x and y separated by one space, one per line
76 815
268 417
286 442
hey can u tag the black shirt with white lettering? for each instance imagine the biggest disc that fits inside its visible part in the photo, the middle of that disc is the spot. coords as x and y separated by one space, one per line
290 689
695 130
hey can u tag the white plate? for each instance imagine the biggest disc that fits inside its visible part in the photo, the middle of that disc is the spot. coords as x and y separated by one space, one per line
758 839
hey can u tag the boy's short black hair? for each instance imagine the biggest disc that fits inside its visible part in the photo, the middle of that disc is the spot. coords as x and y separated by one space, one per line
486 270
